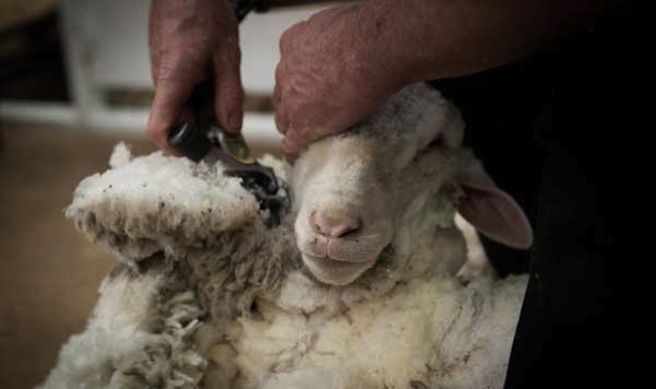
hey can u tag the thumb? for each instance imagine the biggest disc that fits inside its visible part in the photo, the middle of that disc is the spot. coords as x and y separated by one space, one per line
229 93
166 109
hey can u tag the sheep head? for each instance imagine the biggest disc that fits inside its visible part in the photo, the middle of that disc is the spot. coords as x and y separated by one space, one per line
357 191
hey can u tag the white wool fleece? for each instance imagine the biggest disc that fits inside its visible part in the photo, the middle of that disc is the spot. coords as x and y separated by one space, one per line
204 295
428 331
151 203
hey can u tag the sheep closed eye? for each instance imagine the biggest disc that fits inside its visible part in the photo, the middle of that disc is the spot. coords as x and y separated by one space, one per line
436 142
434 145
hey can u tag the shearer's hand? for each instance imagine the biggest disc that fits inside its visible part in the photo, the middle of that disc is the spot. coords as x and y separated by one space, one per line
338 66
332 73
191 41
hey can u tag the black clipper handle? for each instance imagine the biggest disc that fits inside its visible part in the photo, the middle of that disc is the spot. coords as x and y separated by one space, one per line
188 141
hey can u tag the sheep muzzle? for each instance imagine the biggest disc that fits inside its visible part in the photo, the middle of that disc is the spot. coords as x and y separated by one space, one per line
339 243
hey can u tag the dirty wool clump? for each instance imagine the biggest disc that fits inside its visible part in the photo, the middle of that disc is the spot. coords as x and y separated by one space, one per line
185 213
191 247
141 206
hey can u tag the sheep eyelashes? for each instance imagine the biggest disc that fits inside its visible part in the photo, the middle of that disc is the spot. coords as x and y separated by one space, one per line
358 287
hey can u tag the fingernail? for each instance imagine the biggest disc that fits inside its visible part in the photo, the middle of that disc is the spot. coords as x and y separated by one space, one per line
234 122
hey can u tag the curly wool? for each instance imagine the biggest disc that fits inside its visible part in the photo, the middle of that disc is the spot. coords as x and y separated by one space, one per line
145 343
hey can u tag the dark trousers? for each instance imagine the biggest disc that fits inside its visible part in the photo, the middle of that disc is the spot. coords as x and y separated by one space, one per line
561 132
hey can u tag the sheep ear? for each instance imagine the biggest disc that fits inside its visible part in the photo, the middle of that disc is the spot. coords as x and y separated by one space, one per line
492 211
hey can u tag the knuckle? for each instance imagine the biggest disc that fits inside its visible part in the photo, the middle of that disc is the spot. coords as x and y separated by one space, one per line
230 91
229 54
280 73
287 37
180 69
168 76
280 125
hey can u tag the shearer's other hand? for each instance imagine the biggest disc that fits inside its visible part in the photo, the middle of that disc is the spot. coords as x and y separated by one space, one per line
332 73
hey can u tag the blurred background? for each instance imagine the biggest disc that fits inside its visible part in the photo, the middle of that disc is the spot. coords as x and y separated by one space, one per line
74 81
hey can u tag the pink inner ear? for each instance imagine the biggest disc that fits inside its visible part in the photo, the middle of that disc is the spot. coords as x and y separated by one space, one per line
494 213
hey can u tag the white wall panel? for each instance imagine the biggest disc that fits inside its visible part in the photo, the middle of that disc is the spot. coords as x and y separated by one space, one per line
119 39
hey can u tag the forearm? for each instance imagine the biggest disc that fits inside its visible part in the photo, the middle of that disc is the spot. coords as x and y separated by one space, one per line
337 67
415 40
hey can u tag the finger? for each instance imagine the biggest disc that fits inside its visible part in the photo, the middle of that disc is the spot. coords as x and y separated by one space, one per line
293 143
229 99
289 150
280 116
281 120
170 98
277 94
288 36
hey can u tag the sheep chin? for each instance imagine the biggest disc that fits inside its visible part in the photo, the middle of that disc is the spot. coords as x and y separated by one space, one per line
333 272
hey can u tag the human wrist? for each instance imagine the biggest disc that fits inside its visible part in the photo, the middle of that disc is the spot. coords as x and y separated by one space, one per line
374 50
393 43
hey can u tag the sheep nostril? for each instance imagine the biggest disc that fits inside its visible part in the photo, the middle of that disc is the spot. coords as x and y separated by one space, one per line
334 227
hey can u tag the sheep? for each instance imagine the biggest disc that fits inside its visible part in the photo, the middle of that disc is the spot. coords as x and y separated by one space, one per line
357 288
